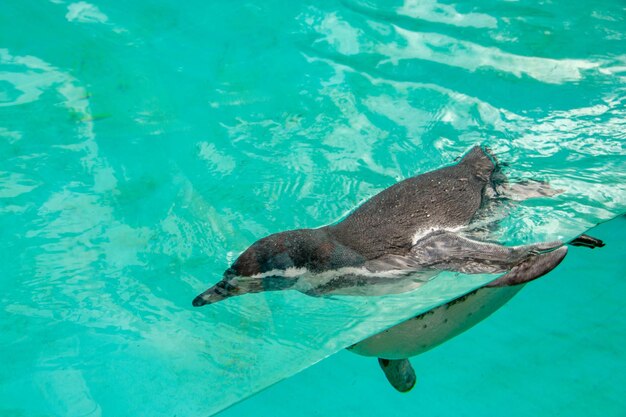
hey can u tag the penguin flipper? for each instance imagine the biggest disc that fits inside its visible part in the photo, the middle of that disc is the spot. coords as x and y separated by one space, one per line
540 264
531 268
449 251
399 373
452 252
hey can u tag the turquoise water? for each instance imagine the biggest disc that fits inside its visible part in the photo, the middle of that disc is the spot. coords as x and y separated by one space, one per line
144 145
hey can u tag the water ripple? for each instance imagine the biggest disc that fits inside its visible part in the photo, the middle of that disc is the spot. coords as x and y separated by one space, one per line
141 161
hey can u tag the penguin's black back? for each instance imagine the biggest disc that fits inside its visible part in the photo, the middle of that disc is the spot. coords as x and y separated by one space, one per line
446 198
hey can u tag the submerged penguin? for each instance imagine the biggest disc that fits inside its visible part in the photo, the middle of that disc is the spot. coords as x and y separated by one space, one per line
395 242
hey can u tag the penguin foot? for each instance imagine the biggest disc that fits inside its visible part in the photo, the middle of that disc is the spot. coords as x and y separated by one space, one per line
399 373
587 241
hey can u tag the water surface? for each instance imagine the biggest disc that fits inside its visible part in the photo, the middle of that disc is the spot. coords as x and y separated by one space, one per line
143 146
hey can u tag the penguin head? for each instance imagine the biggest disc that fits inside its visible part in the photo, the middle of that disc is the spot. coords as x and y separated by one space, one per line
265 265
274 252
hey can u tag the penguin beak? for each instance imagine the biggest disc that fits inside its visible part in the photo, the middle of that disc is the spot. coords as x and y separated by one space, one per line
210 296
218 292
199 301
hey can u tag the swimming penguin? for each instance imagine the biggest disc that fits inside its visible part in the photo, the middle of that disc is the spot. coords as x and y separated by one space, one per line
395 242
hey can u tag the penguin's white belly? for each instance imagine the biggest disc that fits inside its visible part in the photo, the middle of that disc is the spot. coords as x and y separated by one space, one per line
434 327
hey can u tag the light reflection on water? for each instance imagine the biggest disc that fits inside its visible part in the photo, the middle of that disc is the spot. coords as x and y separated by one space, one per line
144 146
